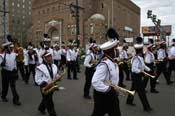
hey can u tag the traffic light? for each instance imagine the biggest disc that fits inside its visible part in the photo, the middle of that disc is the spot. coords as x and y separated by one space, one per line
154 18
149 14
158 22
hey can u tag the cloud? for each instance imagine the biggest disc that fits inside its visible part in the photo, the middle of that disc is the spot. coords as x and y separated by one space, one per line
164 9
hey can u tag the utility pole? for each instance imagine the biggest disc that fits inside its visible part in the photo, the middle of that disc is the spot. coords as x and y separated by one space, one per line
4 19
76 8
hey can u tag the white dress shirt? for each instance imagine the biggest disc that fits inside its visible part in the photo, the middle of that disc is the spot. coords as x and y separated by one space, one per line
124 54
105 71
172 52
71 55
43 75
57 54
10 64
138 65
161 54
149 58
89 57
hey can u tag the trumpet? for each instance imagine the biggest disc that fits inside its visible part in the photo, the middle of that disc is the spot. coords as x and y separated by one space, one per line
157 61
93 62
51 86
123 90
148 75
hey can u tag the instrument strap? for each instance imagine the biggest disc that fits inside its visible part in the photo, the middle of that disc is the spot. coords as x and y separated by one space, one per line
49 68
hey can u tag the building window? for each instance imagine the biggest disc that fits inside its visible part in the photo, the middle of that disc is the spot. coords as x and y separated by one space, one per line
18 5
13 4
30 13
23 1
23 6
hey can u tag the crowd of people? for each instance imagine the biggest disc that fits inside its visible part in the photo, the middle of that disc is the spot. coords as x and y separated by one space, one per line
109 62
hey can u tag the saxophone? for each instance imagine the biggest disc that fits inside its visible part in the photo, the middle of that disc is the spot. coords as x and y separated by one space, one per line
52 85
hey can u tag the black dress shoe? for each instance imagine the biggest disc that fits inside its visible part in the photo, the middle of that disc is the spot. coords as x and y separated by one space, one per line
75 78
17 103
87 97
42 111
154 91
131 104
4 100
69 78
170 83
148 109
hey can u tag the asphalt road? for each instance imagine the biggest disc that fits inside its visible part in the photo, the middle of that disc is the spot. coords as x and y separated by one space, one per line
70 101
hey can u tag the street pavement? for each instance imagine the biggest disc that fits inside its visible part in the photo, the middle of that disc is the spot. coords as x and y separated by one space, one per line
70 102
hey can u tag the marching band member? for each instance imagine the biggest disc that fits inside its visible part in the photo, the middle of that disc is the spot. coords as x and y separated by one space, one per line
57 55
9 73
162 66
149 60
124 57
106 97
45 73
90 69
33 61
120 65
71 62
20 60
63 57
137 67
172 58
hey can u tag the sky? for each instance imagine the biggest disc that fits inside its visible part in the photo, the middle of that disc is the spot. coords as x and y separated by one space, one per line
164 9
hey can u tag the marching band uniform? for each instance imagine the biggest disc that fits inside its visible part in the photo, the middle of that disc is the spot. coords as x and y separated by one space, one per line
124 57
121 73
161 66
63 57
33 60
106 97
9 74
71 62
26 63
90 69
172 59
137 66
45 73
57 55
149 60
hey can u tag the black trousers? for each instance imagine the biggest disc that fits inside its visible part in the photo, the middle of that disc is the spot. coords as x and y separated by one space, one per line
171 67
161 68
71 67
20 67
31 70
47 104
126 70
89 72
121 75
137 85
152 80
106 103
62 62
9 77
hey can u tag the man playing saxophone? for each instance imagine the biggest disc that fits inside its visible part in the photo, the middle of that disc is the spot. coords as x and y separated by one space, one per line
45 74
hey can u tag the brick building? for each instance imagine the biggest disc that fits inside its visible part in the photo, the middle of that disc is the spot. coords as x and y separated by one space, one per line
56 18
20 19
